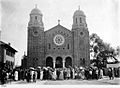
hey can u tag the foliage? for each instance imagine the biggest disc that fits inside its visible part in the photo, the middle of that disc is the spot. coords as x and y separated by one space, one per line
102 51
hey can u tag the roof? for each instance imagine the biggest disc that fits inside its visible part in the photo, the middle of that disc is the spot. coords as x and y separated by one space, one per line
7 46
79 12
57 27
113 65
36 11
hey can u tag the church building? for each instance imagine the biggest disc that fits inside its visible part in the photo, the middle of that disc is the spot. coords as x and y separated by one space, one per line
57 47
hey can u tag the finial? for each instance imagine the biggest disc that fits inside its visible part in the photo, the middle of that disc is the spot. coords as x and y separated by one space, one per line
35 5
58 21
79 7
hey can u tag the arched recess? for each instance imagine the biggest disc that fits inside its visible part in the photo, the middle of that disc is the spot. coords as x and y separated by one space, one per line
59 63
68 62
49 62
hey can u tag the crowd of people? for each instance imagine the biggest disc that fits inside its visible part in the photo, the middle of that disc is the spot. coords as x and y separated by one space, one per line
48 73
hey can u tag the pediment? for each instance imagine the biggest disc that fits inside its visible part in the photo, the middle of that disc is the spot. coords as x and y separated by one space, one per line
58 29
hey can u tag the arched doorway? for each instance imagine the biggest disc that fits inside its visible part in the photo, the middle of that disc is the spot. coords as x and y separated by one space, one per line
68 62
59 63
49 62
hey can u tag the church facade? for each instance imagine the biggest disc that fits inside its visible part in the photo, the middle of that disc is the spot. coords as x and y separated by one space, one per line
57 47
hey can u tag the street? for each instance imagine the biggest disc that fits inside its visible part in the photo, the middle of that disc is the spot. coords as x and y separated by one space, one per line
104 81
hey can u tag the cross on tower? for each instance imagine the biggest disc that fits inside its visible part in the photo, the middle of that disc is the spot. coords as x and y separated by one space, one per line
58 21
35 5
79 7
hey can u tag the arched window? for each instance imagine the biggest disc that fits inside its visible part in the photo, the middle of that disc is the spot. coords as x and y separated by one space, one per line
49 62
68 46
80 20
76 20
49 46
36 17
83 61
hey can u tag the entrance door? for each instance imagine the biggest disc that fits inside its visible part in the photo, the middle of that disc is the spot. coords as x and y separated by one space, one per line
59 63
68 62
49 62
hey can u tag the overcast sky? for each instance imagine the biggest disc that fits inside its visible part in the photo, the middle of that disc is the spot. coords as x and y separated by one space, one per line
102 18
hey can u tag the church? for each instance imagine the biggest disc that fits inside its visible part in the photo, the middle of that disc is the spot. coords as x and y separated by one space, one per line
57 47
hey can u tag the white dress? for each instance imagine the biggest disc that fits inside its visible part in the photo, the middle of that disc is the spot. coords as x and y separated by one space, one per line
41 74
31 72
35 74
61 75
16 75
73 71
101 73
68 73
54 75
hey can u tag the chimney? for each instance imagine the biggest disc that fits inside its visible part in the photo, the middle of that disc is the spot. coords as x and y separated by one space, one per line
9 44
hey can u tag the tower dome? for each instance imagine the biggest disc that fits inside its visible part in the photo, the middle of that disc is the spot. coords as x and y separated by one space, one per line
79 19
79 12
35 18
36 11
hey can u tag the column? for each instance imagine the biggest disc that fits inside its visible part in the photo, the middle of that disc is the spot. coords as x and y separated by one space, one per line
4 59
63 63
54 63
14 61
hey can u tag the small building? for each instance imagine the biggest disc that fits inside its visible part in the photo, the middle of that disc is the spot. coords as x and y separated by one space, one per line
7 55
115 67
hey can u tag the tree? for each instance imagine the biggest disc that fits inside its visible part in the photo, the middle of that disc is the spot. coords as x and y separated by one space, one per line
118 52
102 50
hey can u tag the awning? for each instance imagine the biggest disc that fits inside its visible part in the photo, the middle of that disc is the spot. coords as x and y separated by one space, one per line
113 65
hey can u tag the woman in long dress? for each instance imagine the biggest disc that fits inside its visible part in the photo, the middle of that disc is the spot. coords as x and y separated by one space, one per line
101 73
41 74
54 75
34 76
61 75
16 75
68 73
83 74
31 73
73 72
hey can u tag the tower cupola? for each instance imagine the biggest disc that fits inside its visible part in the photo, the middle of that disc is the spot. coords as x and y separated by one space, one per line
79 19
35 11
79 12
35 18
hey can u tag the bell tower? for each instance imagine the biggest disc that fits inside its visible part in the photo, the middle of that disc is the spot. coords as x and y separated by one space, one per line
80 39
36 18
35 45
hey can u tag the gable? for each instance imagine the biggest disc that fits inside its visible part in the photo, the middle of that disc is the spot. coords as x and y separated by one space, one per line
58 29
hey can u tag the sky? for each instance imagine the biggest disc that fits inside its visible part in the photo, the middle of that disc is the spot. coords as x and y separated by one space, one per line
102 18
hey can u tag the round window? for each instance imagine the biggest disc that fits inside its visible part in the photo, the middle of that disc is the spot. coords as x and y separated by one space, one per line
59 39
35 33
82 34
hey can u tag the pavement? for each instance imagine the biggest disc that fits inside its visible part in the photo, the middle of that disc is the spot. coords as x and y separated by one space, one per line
104 81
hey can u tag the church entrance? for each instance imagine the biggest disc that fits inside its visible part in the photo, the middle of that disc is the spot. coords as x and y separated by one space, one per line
49 62
68 62
59 63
